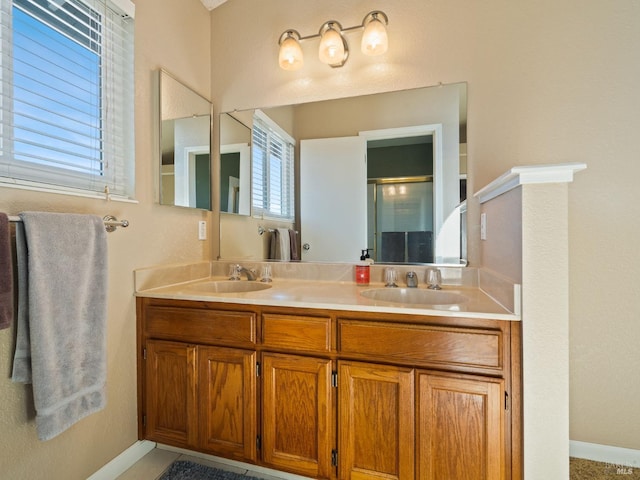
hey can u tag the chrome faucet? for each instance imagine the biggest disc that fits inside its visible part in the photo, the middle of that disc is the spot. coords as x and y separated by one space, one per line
412 280
249 272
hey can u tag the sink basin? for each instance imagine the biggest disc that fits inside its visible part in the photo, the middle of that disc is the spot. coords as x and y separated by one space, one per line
414 296
228 286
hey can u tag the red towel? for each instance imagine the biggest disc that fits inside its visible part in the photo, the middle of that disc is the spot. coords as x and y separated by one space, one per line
6 274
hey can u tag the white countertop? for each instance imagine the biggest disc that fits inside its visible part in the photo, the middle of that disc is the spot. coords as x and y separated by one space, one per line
335 296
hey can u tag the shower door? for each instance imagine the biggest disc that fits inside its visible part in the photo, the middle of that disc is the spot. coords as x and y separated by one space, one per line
403 213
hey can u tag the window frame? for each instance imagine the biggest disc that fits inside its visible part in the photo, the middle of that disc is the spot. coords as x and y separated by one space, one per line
113 174
274 135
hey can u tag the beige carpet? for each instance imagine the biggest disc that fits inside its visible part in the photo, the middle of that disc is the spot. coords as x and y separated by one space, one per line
590 470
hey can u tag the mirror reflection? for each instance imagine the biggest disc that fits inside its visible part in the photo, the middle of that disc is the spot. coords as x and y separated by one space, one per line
185 145
403 202
235 165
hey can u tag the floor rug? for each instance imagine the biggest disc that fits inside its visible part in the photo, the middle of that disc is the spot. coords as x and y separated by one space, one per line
186 470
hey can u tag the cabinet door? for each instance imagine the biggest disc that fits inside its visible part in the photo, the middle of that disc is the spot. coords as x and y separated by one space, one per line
227 402
297 423
170 370
376 421
460 427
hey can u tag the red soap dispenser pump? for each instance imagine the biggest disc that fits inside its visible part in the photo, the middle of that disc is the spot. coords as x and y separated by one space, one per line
362 269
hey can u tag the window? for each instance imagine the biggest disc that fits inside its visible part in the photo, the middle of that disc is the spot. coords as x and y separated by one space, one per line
67 95
272 169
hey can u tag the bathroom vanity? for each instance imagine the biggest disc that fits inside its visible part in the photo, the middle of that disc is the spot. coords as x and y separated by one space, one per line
343 391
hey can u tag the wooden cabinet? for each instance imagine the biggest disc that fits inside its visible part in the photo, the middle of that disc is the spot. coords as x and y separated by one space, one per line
376 421
171 393
460 427
227 409
333 394
297 406
201 397
200 391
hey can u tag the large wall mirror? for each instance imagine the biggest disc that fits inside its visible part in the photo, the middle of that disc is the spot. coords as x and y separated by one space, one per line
185 145
384 171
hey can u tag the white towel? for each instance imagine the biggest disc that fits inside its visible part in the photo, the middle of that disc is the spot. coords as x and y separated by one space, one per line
63 330
284 244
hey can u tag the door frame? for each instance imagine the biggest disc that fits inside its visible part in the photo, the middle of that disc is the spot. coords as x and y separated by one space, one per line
435 130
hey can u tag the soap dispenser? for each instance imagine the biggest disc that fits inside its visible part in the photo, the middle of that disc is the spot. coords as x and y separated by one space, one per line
367 257
362 269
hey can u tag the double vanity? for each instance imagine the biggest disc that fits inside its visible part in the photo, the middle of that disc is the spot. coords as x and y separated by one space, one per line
327 379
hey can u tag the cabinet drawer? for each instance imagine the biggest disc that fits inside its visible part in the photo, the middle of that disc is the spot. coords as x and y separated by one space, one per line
295 332
422 344
202 326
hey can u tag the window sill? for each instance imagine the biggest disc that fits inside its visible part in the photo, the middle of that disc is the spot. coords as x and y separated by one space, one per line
36 187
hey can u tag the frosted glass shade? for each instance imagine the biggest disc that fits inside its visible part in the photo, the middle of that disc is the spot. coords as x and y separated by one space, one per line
331 49
290 56
374 38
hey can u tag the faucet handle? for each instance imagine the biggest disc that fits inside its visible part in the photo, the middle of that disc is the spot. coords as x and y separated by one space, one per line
434 279
234 272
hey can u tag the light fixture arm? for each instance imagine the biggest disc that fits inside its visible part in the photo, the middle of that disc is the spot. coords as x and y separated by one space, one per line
289 34
375 15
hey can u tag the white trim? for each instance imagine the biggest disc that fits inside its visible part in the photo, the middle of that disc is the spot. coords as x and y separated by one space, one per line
559 173
274 126
40 187
624 457
211 4
124 461
244 149
436 131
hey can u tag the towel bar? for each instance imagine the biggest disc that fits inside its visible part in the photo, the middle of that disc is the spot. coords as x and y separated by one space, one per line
261 230
110 222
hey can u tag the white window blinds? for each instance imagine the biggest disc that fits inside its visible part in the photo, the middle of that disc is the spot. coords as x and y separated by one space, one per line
67 95
272 169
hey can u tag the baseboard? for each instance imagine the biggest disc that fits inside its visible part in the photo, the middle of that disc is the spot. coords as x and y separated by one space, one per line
605 453
124 461
590 451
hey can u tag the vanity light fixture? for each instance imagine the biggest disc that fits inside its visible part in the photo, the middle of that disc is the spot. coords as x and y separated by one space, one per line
334 49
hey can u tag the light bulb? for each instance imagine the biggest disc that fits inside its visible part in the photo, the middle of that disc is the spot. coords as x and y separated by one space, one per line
374 38
331 50
290 56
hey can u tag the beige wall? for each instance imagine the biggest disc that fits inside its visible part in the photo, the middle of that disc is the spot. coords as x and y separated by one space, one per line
173 34
548 82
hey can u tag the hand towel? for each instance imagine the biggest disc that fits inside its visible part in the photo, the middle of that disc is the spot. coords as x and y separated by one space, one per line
293 241
67 296
274 243
22 356
279 245
284 244
6 273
